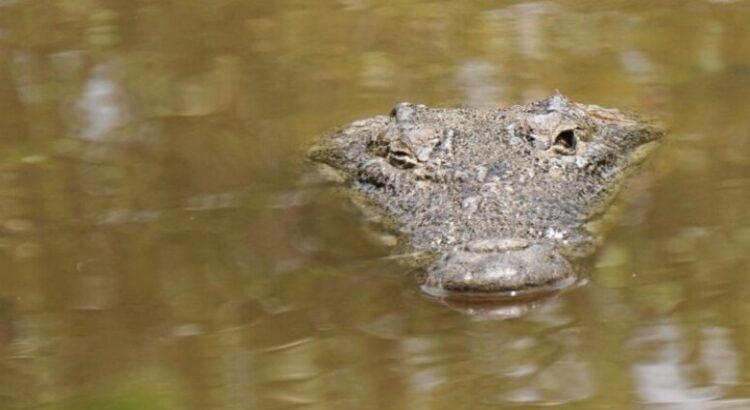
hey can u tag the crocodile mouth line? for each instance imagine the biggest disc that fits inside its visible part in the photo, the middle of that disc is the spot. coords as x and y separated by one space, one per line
643 151
530 292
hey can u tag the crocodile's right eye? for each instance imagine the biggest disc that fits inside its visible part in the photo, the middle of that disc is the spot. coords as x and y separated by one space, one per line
401 159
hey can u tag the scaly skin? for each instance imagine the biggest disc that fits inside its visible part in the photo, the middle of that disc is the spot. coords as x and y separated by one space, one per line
501 197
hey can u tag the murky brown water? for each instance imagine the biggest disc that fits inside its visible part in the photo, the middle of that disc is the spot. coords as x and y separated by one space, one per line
156 251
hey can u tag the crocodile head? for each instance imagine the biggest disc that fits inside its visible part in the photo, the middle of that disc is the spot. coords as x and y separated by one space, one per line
501 197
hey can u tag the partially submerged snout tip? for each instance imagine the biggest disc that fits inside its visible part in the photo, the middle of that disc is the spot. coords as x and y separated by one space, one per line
503 275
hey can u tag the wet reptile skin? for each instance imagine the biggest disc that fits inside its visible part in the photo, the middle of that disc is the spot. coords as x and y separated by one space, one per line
502 198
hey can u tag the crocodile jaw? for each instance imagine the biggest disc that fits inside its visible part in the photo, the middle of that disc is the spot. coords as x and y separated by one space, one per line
506 273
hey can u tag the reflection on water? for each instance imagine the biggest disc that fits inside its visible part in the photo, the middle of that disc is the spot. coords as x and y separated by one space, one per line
160 251
671 374
102 107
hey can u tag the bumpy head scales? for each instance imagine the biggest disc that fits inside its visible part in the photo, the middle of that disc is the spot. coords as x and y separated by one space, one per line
498 195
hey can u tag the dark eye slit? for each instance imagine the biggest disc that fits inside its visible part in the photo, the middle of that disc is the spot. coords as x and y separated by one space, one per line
565 142
401 159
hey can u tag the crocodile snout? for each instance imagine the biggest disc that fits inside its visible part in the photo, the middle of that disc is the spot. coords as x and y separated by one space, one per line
482 271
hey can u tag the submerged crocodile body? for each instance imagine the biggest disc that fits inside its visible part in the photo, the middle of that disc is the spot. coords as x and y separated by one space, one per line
503 198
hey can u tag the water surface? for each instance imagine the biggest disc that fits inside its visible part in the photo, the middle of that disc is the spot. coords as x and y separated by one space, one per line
158 251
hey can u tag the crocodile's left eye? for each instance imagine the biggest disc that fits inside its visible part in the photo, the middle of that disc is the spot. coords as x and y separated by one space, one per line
565 142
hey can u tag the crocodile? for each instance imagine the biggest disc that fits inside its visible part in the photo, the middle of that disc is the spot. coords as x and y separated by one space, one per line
504 201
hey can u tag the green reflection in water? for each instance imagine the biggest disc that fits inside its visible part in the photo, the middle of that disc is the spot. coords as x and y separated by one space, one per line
136 393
